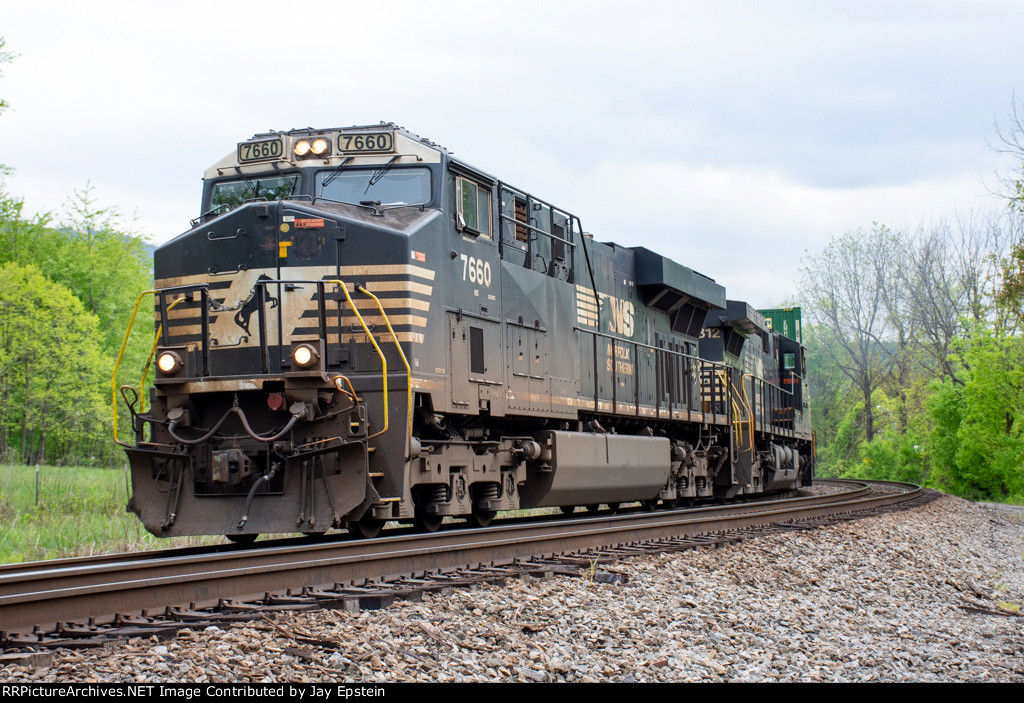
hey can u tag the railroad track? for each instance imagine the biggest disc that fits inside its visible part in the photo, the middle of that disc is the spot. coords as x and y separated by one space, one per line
84 600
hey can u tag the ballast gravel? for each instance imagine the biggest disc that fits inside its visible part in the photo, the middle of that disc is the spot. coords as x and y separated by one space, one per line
929 594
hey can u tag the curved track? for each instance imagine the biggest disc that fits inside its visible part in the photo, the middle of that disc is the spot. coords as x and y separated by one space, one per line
46 596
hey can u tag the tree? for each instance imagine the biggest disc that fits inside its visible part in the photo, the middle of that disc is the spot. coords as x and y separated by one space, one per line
948 276
105 265
1009 294
979 427
891 260
5 57
91 261
845 286
1011 143
49 364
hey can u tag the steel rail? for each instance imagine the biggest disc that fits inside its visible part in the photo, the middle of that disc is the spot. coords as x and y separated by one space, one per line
11 573
74 592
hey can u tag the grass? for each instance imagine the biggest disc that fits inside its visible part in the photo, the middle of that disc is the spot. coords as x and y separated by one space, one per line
74 511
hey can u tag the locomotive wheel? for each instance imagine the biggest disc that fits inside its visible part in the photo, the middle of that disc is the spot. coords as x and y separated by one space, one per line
671 504
649 505
593 508
567 509
242 539
614 507
481 518
366 527
428 523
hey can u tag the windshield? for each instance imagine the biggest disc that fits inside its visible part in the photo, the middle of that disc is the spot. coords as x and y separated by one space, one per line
234 193
401 186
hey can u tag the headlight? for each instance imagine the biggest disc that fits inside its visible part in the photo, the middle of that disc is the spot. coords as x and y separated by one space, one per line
305 355
169 363
308 148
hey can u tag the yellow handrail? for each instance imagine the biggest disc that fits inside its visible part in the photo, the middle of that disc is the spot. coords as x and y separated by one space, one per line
750 409
152 353
401 354
120 355
736 408
383 361
351 392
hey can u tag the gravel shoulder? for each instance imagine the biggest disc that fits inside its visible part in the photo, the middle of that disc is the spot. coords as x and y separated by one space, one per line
920 595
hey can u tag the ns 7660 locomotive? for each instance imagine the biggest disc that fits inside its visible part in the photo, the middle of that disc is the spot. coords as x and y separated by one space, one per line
361 328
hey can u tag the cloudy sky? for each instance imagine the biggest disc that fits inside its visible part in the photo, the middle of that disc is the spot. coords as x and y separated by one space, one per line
731 136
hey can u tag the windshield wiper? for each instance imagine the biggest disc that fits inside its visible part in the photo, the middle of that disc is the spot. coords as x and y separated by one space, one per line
379 173
329 178
253 186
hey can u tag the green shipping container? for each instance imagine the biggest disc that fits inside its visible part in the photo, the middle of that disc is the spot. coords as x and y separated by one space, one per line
785 321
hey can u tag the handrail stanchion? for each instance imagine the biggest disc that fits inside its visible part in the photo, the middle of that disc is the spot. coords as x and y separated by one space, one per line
120 355
401 354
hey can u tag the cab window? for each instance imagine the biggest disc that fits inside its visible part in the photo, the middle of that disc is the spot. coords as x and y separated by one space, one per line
235 193
474 206
375 186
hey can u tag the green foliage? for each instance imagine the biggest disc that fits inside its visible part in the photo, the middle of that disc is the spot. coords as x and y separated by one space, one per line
25 240
49 352
946 408
891 457
1011 294
978 440
957 425
894 454
105 267
829 387
66 296
839 455
70 511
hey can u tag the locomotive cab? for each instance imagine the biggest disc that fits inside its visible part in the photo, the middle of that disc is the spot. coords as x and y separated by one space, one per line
379 167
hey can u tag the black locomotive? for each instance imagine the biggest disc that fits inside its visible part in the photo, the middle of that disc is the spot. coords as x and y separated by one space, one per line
361 328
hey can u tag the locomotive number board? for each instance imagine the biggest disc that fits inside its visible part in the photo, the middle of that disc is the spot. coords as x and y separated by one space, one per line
260 151
366 142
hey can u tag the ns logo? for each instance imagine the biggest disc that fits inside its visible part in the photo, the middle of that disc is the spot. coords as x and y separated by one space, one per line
619 314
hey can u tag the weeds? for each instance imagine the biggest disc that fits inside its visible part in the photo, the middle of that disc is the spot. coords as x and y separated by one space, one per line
75 512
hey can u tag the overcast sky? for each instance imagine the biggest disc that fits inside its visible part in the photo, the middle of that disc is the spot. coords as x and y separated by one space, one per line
731 136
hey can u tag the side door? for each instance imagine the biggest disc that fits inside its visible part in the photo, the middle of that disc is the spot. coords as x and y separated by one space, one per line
476 371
